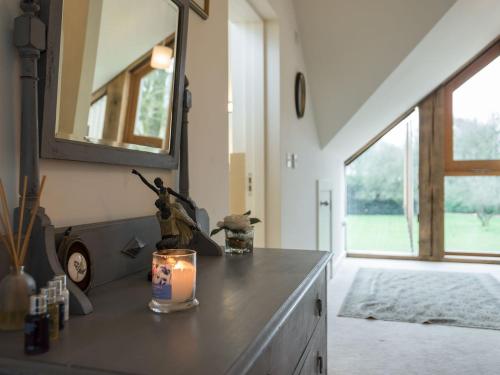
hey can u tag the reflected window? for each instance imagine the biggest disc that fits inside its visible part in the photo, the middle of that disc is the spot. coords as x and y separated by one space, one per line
120 61
382 193
150 107
153 104
97 115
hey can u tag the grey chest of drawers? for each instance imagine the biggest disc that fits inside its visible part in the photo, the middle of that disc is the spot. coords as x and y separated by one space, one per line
262 314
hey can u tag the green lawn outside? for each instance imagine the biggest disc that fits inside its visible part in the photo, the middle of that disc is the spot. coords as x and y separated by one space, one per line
463 232
389 233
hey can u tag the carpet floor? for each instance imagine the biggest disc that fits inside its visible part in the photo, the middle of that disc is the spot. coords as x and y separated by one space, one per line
434 297
376 347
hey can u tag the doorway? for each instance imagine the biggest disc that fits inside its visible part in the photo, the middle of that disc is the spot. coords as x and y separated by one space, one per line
246 108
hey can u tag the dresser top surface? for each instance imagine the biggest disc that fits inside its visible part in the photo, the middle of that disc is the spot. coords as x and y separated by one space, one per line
241 297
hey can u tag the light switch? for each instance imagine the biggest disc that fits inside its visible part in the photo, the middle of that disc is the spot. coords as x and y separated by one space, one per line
291 160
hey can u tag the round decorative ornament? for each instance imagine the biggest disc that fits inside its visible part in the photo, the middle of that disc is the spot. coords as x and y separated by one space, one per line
75 260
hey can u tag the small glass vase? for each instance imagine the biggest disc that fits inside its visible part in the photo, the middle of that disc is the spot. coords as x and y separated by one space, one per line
239 242
15 291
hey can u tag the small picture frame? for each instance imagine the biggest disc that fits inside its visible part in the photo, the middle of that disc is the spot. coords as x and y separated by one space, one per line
201 7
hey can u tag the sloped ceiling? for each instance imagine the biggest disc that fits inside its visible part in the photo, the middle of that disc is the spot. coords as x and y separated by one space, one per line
351 47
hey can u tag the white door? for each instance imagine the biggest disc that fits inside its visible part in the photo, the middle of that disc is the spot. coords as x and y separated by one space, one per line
325 221
325 215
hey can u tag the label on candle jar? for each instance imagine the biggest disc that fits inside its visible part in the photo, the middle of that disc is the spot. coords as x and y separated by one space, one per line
162 281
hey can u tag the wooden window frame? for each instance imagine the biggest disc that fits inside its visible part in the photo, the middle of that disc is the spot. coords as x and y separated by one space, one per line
98 94
466 167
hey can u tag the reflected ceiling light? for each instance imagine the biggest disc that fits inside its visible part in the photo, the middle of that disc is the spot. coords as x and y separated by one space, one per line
162 57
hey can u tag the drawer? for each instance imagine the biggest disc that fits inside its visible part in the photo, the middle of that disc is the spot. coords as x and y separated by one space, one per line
315 362
289 344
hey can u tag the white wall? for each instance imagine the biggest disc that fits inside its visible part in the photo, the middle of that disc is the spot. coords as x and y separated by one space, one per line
9 102
79 192
273 136
290 193
297 186
246 65
9 110
351 47
207 62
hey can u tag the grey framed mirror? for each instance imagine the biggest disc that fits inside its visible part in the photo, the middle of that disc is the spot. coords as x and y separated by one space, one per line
112 80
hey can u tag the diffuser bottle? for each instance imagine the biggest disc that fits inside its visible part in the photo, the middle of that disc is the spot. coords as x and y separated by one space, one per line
15 291
36 329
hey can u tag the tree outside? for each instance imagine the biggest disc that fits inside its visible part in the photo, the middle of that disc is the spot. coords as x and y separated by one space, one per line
475 140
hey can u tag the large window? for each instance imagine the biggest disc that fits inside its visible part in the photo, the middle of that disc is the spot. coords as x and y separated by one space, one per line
472 158
430 185
382 193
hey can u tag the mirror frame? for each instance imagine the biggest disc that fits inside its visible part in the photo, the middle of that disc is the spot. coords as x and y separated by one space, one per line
56 148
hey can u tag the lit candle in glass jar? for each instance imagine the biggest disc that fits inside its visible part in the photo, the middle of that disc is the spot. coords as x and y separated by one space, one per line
183 281
173 280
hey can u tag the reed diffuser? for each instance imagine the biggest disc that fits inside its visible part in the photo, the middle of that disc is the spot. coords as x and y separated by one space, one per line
17 286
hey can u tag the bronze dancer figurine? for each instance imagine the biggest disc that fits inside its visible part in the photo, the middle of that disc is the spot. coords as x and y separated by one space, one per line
175 224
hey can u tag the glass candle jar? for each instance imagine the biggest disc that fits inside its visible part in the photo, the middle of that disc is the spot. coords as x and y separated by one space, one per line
173 280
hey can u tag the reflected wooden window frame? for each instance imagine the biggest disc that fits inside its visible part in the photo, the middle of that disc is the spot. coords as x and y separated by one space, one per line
129 95
129 135
466 167
136 74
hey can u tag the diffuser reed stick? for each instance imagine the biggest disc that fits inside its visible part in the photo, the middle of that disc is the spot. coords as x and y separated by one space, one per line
6 218
18 253
34 211
21 215
13 256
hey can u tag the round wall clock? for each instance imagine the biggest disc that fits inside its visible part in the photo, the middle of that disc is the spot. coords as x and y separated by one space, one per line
75 260
300 94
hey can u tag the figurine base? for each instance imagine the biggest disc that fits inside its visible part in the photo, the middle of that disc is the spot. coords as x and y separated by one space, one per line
169 307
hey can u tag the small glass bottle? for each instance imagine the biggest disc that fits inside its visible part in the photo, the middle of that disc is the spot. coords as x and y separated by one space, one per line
53 310
59 300
65 293
36 328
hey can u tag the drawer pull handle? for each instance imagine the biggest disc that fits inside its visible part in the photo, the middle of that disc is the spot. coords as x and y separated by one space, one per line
319 363
319 306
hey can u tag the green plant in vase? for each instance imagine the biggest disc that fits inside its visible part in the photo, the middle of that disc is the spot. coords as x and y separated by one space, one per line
239 231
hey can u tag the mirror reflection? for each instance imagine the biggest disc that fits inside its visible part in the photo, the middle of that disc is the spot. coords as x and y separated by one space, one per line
117 73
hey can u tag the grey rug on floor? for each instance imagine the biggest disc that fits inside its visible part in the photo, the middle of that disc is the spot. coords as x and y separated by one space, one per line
449 298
